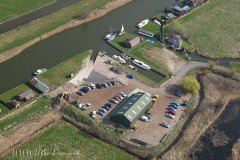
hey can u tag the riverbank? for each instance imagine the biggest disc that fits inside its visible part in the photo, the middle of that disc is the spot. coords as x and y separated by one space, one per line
15 41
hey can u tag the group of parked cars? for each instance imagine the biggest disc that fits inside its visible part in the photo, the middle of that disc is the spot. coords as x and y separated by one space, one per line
172 108
82 105
116 99
91 86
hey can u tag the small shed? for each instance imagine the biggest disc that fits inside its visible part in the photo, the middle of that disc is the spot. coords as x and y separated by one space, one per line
170 16
39 85
133 42
26 96
14 104
175 41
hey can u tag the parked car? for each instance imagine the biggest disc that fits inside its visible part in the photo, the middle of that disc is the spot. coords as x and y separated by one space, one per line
81 105
109 105
101 113
185 104
170 116
113 83
123 94
148 115
79 92
171 108
176 103
109 84
106 107
117 98
144 118
92 86
164 124
113 101
87 106
99 86
172 112
105 85
120 96
94 114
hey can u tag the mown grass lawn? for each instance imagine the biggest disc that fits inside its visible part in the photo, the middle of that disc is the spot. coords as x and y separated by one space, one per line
119 41
213 28
12 95
38 107
63 140
13 8
61 73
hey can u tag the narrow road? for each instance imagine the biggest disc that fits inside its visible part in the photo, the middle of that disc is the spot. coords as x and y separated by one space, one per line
24 19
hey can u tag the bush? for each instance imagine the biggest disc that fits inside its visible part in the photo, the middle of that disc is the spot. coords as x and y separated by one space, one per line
190 85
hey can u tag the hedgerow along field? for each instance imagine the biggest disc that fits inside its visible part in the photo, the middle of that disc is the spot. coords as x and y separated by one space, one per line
10 9
213 28
63 142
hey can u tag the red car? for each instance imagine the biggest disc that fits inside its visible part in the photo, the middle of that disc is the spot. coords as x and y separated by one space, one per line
172 112
117 98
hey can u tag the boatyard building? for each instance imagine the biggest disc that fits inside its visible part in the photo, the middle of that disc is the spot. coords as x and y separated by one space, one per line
129 111
39 85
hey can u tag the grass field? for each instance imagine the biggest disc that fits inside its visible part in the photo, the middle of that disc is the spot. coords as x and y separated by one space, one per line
213 28
36 28
235 66
10 95
60 74
119 41
68 142
35 109
10 9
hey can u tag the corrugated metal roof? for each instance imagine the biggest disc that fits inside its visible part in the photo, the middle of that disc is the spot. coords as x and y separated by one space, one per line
39 85
131 107
28 94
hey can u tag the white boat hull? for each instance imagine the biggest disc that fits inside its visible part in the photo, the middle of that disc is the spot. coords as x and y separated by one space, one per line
141 64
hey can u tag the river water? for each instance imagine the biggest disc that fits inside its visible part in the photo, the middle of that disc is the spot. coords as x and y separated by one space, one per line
62 46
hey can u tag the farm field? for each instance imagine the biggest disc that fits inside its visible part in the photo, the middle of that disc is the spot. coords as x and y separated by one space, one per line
235 66
10 95
213 28
61 73
38 107
10 9
63 140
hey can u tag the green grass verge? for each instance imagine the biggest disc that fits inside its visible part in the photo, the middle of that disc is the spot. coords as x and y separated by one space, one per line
61 73
12 95
235 66
63 138
152 27
10 9
36 28
213 28
118 42
38 107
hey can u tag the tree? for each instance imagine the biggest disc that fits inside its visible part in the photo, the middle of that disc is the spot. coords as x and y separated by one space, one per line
190 85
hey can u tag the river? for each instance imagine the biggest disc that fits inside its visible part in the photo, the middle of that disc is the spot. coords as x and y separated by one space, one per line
64 45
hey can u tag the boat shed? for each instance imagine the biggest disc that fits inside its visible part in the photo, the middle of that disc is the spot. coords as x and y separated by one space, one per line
39 85
26 96
132 43
182 10
129 111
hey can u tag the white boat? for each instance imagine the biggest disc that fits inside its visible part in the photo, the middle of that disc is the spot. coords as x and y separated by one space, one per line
143 23
122 32
110 36
157 22
39 71
141 64
119 59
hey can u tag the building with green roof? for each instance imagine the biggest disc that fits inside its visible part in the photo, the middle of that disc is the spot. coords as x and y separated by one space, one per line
129 111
